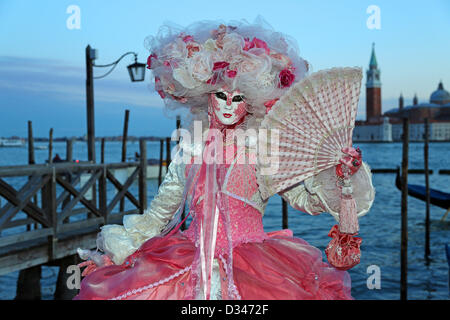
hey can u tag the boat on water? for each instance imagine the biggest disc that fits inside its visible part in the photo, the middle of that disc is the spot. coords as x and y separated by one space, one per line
437 197
12 143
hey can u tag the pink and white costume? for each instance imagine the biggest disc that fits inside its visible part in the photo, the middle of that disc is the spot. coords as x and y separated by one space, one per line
224 253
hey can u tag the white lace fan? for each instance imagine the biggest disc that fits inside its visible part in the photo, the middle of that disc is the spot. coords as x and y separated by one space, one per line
315 120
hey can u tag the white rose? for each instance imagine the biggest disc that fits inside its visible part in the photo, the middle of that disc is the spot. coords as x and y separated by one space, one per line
201 67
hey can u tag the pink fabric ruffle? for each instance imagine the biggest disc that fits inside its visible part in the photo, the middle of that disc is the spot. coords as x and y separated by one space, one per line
279 267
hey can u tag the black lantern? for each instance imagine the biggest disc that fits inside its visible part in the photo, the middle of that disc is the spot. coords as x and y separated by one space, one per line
136 71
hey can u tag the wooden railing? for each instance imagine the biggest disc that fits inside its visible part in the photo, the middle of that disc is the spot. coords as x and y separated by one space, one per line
54 213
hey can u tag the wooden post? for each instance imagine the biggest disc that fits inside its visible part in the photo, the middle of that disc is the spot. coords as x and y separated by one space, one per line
102 151
69 150
124 149
404 214
90 104
168 160
143 174
125 135
29 281
183 214
161 151
285 214
31 159
102 191
427 190
29 284
69 158
50 147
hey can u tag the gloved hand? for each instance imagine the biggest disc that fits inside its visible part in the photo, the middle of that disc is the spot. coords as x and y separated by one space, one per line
94 260
352 160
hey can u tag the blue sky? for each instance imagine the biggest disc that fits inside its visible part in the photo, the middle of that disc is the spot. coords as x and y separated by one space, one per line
42 66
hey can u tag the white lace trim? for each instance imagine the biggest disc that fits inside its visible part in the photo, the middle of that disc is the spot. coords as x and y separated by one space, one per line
151 286
234 290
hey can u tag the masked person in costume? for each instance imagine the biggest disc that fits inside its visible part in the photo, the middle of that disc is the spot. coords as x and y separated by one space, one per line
228 77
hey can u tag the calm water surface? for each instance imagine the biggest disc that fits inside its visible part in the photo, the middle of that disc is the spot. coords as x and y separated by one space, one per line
380 228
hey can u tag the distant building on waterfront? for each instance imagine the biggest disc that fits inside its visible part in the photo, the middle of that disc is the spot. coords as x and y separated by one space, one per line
376 127
437 110
388 126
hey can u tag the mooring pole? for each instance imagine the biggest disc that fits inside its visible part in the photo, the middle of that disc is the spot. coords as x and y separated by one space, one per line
69 158
285 214
143 175
125 135
102 151
183 214
427 190
124 149
168 159
31 159
404 208
90 114
161 151
50 147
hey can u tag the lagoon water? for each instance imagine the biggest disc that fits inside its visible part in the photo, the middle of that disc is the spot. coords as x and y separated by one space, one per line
380 228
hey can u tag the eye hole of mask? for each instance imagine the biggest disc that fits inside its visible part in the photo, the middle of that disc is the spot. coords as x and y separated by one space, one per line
221 95
238 98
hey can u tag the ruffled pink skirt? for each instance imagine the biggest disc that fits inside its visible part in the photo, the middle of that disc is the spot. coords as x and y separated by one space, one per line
281 267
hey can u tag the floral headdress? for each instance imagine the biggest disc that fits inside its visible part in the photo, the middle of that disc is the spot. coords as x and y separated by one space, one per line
189 63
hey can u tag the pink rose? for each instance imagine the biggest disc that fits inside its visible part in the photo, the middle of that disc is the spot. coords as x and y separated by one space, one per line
220 65
188 38
281 61
200 67
192 48
258 43
249 63
286 78
149 60
158 88
248 44
231 73
255 43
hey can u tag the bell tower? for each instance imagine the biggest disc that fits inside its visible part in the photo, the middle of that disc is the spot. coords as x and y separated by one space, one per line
373 90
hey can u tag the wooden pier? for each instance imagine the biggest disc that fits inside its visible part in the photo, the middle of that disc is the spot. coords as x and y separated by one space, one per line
51 197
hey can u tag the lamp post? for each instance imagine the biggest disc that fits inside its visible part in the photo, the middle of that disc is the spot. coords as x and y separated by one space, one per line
136 72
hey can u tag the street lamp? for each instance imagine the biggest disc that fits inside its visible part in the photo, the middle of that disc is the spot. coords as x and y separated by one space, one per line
136 72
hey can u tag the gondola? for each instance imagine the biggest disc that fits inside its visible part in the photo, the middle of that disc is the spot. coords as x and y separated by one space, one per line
437 198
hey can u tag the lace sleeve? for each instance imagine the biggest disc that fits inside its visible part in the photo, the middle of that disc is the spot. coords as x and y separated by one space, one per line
320 193
118 242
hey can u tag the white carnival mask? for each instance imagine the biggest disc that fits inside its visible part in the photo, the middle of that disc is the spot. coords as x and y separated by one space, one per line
229 107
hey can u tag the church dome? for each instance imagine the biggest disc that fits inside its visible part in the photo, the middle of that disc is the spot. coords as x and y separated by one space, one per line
440 96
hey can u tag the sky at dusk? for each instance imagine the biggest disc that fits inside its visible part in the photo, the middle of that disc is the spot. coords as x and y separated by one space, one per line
42 62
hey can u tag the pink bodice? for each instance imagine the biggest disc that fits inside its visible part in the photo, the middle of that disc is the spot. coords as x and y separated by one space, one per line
245 222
